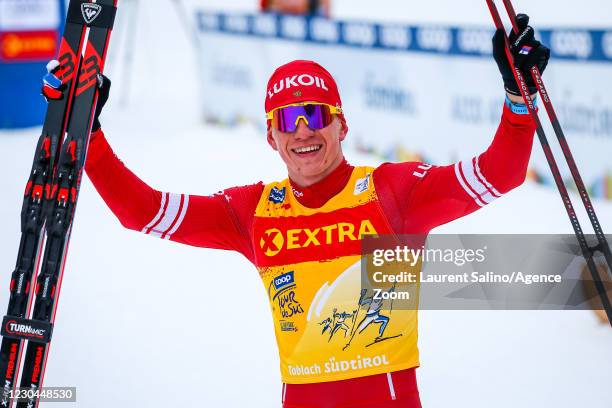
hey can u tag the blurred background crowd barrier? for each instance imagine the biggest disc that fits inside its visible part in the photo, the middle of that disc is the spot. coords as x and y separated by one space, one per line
29 37
305 7
409 90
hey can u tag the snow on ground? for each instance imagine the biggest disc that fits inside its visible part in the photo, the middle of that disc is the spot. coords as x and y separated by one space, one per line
145 322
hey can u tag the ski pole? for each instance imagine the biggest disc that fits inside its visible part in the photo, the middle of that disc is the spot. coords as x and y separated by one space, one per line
584 195
587 251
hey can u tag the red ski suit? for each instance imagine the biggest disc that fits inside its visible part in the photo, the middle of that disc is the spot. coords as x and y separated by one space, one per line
415 197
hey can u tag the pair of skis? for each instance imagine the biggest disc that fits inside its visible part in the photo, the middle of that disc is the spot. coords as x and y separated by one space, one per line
50 199
587 251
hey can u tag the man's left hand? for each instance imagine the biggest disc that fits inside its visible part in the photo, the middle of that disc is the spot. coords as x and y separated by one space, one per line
527 52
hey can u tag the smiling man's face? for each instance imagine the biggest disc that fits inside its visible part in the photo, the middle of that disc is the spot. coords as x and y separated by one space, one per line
310 155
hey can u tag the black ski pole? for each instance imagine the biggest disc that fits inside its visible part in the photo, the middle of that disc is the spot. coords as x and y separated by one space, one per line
604 247
587 251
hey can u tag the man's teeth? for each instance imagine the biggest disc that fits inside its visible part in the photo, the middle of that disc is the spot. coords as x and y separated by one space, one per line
307 149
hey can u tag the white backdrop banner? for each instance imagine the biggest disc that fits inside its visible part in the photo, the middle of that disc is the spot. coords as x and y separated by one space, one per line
432 92
16 15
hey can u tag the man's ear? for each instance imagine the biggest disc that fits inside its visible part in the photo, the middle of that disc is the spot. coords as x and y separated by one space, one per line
343 130
271 140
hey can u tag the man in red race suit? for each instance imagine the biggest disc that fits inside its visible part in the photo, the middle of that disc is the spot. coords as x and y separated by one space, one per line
303 233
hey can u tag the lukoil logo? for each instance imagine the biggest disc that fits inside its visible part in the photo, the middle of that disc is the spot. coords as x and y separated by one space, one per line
274 240
296 81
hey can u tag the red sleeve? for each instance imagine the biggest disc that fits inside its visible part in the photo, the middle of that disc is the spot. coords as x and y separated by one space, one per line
223 220
417 197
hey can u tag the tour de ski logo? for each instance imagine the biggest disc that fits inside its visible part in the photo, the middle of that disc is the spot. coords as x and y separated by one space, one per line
346 325
282 295
90 12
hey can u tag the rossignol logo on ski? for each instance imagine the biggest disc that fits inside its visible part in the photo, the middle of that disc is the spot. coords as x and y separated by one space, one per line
90 12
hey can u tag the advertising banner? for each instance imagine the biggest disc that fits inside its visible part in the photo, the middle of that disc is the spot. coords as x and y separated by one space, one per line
28 29
29 38
424 92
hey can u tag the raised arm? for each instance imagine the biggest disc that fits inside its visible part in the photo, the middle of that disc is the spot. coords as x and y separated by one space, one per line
418 197
222 220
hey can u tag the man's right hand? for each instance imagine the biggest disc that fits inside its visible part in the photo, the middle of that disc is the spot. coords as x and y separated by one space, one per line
53 89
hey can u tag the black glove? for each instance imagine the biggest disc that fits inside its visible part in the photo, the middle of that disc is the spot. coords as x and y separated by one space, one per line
527 51
104 85
53 89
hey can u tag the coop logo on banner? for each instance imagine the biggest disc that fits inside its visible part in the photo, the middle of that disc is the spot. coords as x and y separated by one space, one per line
294 27
474 40
395 37
572 43
606 44
324 30
359 34
237 24
435 38
264 24
28 29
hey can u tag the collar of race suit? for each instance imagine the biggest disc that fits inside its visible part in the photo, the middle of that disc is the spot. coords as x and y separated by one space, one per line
316 195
